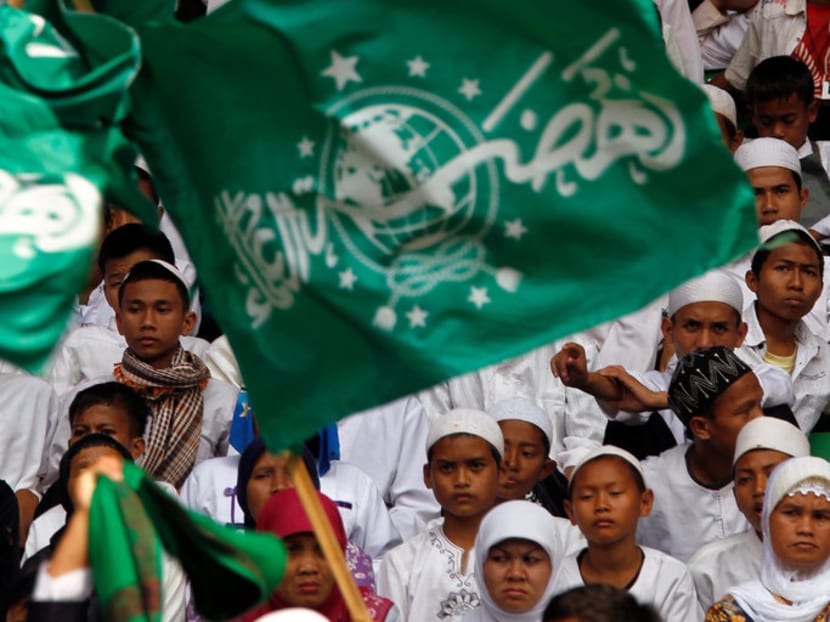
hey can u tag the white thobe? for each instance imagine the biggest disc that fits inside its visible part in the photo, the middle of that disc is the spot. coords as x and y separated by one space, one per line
686 514
28 417
389 444
663 582
811 375
425 578
721 565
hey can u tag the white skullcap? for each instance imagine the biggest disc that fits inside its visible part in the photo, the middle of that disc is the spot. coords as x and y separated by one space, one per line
767 152
767 232
141 163
714 286
294 614
721 102
606 450
523 410
771 433
466 421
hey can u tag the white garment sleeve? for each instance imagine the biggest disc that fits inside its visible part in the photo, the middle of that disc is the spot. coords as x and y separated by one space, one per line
676 14
683 603
393 581
172 589
72 586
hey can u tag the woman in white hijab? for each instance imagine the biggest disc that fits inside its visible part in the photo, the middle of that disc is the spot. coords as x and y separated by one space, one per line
794 585
515 550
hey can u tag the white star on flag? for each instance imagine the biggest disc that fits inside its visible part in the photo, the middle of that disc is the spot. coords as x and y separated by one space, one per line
469 89
342 70
478 296
514 229
417 67
347 279
306 147
417 317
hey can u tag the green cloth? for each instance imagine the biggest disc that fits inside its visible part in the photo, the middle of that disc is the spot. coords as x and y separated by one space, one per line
820 444
60 151
229 571
385 194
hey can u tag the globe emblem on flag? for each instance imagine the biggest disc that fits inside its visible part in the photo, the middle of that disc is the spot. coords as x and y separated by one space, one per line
384 166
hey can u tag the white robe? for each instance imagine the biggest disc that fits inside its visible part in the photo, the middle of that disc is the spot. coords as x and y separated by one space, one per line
663 582
686 515
425 579
211 489
724 564
389 444
28 417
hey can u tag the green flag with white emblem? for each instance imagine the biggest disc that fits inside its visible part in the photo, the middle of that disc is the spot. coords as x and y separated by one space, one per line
61 152
380 194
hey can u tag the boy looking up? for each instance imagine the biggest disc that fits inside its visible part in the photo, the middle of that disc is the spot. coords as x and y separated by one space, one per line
430 576
191 415
607 495
714 394
786 277
762 444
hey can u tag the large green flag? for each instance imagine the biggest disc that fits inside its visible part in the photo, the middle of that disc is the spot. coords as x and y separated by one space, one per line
61 150
382 194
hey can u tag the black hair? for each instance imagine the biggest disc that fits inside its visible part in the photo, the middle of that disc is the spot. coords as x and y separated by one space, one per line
85 442
598 603
779 77
117 395
638 478
152 271
131 238
145 176
798 237
493 450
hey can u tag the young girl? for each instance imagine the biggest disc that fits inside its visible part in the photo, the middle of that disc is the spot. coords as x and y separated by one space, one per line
795 559
607 497
515 550
309 580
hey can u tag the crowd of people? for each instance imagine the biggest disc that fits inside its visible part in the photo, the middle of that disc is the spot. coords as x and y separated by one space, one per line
657 467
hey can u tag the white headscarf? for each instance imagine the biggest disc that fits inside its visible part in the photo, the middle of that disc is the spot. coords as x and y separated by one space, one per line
809 595
513 519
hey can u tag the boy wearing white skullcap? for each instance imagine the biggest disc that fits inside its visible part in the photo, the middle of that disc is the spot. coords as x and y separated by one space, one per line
430 577
702 312
724 108
607 496
762 444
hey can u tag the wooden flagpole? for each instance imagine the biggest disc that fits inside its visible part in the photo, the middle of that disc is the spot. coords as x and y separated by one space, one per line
325 536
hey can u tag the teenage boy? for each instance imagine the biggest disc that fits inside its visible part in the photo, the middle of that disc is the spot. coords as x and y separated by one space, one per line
714 394
192 414
762 444
703 312
607 496
430 577
91 352
786 276
725 115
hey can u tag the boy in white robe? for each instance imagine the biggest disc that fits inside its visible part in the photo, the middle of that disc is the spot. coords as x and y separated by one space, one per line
91 352
430 577
762 444
715 394
607 495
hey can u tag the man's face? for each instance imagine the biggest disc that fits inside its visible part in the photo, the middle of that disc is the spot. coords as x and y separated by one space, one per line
789 282
777 196
787 118
152 319
703 325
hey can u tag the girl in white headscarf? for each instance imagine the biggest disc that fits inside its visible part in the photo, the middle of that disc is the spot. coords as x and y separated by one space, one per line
515 550
794 585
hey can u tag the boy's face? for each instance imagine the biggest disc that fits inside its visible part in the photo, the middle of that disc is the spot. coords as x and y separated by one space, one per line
787 118
703 325
606 502
152 318
731 143
116 270
463 475
789 282
776 194
107 419
525 460
731 411
751 473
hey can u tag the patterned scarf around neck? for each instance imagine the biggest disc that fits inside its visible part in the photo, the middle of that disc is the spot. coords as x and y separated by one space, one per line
175 394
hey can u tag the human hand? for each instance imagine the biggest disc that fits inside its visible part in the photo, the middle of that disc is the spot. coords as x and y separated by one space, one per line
570 365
